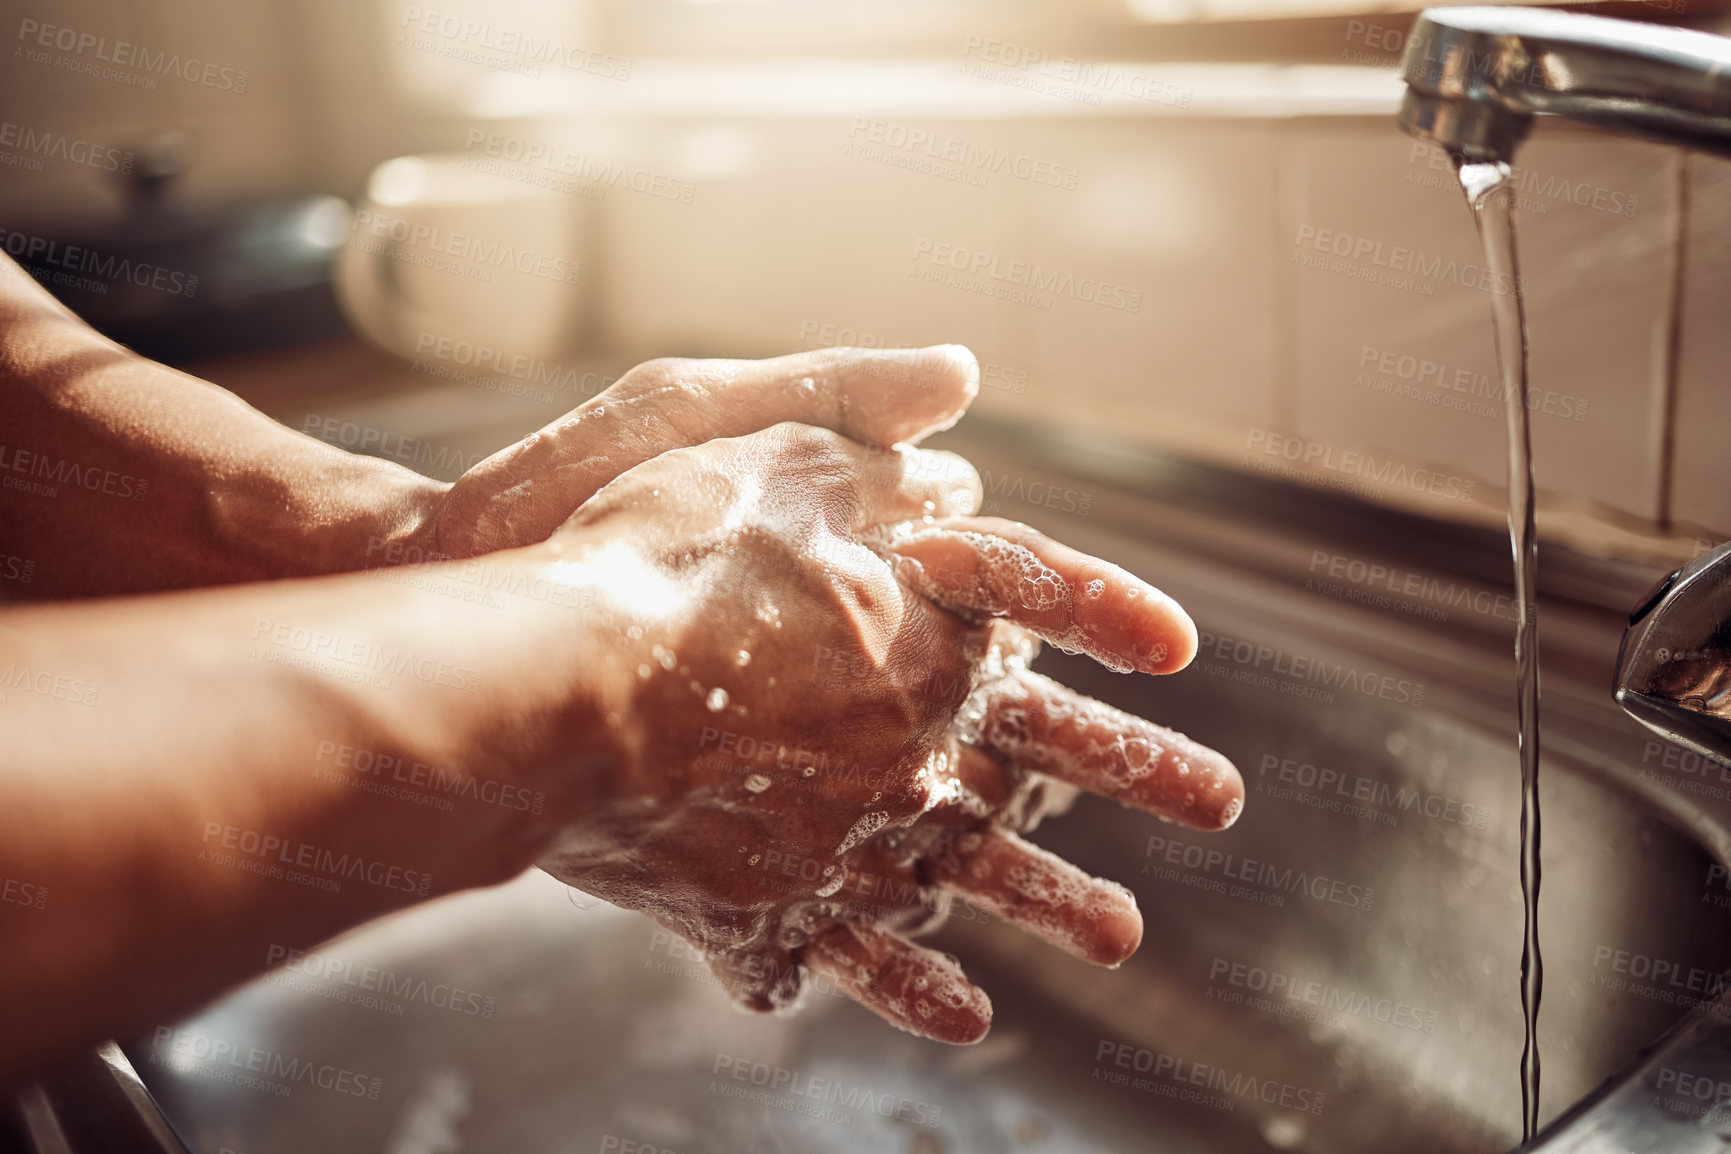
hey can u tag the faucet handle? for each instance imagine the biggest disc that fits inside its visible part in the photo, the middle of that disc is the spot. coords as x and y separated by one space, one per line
1674 666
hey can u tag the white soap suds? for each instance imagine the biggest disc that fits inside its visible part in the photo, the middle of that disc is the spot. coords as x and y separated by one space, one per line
862 829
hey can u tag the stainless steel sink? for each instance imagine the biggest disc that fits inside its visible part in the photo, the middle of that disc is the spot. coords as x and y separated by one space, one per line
1337 972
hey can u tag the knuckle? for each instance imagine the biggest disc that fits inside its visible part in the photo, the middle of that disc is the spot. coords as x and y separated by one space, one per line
809 438
657 373
910 797
820 455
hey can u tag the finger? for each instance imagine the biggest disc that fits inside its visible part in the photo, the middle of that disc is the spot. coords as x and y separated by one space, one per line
1085 916
909 484
1011 645
919 990
945 485
988 790
878 397
874 396
985 565
872 486
1034 723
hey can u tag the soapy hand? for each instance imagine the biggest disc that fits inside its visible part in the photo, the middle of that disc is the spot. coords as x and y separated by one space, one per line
521 494
822 661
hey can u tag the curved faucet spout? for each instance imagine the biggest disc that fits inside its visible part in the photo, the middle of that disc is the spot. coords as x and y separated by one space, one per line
1476 78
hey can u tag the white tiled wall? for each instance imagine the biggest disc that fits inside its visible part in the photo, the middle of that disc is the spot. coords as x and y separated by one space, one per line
1177 212
1703 418
1596 281
1214 224
803 233
813 242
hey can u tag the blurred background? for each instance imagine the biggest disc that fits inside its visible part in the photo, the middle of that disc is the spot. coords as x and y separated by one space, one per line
1188 226
1234 329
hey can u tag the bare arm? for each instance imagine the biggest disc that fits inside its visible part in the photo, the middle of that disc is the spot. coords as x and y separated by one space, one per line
121 475
191 778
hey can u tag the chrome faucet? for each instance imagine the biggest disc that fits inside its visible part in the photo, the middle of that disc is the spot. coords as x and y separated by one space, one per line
1674 668
1476 77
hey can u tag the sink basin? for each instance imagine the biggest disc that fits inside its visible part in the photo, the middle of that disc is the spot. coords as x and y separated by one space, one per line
1339 971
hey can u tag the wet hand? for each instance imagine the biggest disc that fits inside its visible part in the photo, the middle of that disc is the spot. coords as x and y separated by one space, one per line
822 660
877 397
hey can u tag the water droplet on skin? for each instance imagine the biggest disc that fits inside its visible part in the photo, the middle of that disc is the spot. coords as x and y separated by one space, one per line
742 658
717 700
665 657
643 671
635 632
807 386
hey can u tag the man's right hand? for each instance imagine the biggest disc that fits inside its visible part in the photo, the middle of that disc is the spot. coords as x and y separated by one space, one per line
731 581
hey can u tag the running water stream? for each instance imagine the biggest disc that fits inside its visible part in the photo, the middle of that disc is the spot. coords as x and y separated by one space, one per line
1491 198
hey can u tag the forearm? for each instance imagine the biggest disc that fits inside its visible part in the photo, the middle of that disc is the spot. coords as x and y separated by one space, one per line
189 780
120 475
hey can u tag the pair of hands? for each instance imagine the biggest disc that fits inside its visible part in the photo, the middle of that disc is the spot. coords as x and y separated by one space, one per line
817 687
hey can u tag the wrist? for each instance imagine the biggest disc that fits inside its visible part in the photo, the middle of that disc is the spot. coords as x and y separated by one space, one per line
513 720
350 513
398 523
572 648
